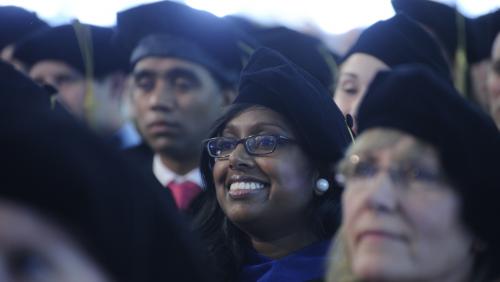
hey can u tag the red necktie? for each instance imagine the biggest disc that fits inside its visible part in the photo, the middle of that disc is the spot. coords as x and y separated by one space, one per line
184 193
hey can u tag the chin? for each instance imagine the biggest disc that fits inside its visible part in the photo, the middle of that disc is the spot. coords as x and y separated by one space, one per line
379 269
162 144
240 215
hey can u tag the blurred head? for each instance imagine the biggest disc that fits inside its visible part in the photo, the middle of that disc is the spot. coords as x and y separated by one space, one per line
35 248
401 217
16 23
420 195
79 60
69 82
81 212
493 82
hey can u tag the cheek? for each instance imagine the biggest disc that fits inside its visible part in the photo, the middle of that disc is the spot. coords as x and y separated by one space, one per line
493 85
292 171
350 208
343 101
433 213
219 172
139 106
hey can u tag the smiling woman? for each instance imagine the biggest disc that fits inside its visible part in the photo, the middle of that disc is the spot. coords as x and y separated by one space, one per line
271 206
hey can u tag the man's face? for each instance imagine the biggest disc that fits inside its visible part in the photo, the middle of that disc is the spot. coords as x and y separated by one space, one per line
69 82
494 82
175 102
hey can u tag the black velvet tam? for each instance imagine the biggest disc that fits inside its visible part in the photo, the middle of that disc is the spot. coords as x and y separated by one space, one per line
16 22
305 50
400 40
61 43
484 29
164 45
308 52
226 46
449 25
414 100
17 88
271 80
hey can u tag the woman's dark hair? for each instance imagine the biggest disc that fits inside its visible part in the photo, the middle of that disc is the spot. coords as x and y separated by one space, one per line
225 242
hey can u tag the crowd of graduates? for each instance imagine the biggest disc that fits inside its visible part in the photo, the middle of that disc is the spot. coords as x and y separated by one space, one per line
182 146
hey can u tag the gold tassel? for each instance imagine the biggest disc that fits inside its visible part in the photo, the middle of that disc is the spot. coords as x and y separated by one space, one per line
460 72
84 38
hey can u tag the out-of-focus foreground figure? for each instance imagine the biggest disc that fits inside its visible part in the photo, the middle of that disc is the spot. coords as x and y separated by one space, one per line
421 185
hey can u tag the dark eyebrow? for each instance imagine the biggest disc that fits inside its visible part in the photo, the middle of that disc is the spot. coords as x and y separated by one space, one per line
268 124
179 72
171 74
142 73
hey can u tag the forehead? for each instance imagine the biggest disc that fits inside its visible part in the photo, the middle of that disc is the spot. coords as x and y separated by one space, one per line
258 116
362 66
51 67
163 64
394 146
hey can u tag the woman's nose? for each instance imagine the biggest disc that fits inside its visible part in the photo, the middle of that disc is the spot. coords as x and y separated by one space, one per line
239 158
382 194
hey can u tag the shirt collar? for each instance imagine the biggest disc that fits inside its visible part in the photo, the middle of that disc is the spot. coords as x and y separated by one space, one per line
165 175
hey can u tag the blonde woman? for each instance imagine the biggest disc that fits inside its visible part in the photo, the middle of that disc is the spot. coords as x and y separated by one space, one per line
420 186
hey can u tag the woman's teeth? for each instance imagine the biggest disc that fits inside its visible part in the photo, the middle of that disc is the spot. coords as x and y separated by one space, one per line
246 186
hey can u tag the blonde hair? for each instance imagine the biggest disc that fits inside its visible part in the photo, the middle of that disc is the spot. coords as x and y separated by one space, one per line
339 264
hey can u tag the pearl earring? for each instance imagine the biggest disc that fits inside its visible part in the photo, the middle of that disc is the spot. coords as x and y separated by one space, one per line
322 186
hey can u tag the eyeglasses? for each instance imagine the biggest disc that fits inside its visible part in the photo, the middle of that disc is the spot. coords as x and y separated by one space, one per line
256 145
359 169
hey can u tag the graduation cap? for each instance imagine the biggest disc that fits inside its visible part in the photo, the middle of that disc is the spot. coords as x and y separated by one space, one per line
439 17
226 46
84 47
484 30
243 23
273 81
401 40
120 218
307 51
16 22
453 29
415 100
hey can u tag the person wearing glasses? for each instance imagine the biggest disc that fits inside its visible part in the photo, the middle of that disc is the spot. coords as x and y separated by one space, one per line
421 186
270 206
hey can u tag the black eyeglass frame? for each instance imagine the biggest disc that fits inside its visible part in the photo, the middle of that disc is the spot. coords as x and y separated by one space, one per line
280 139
